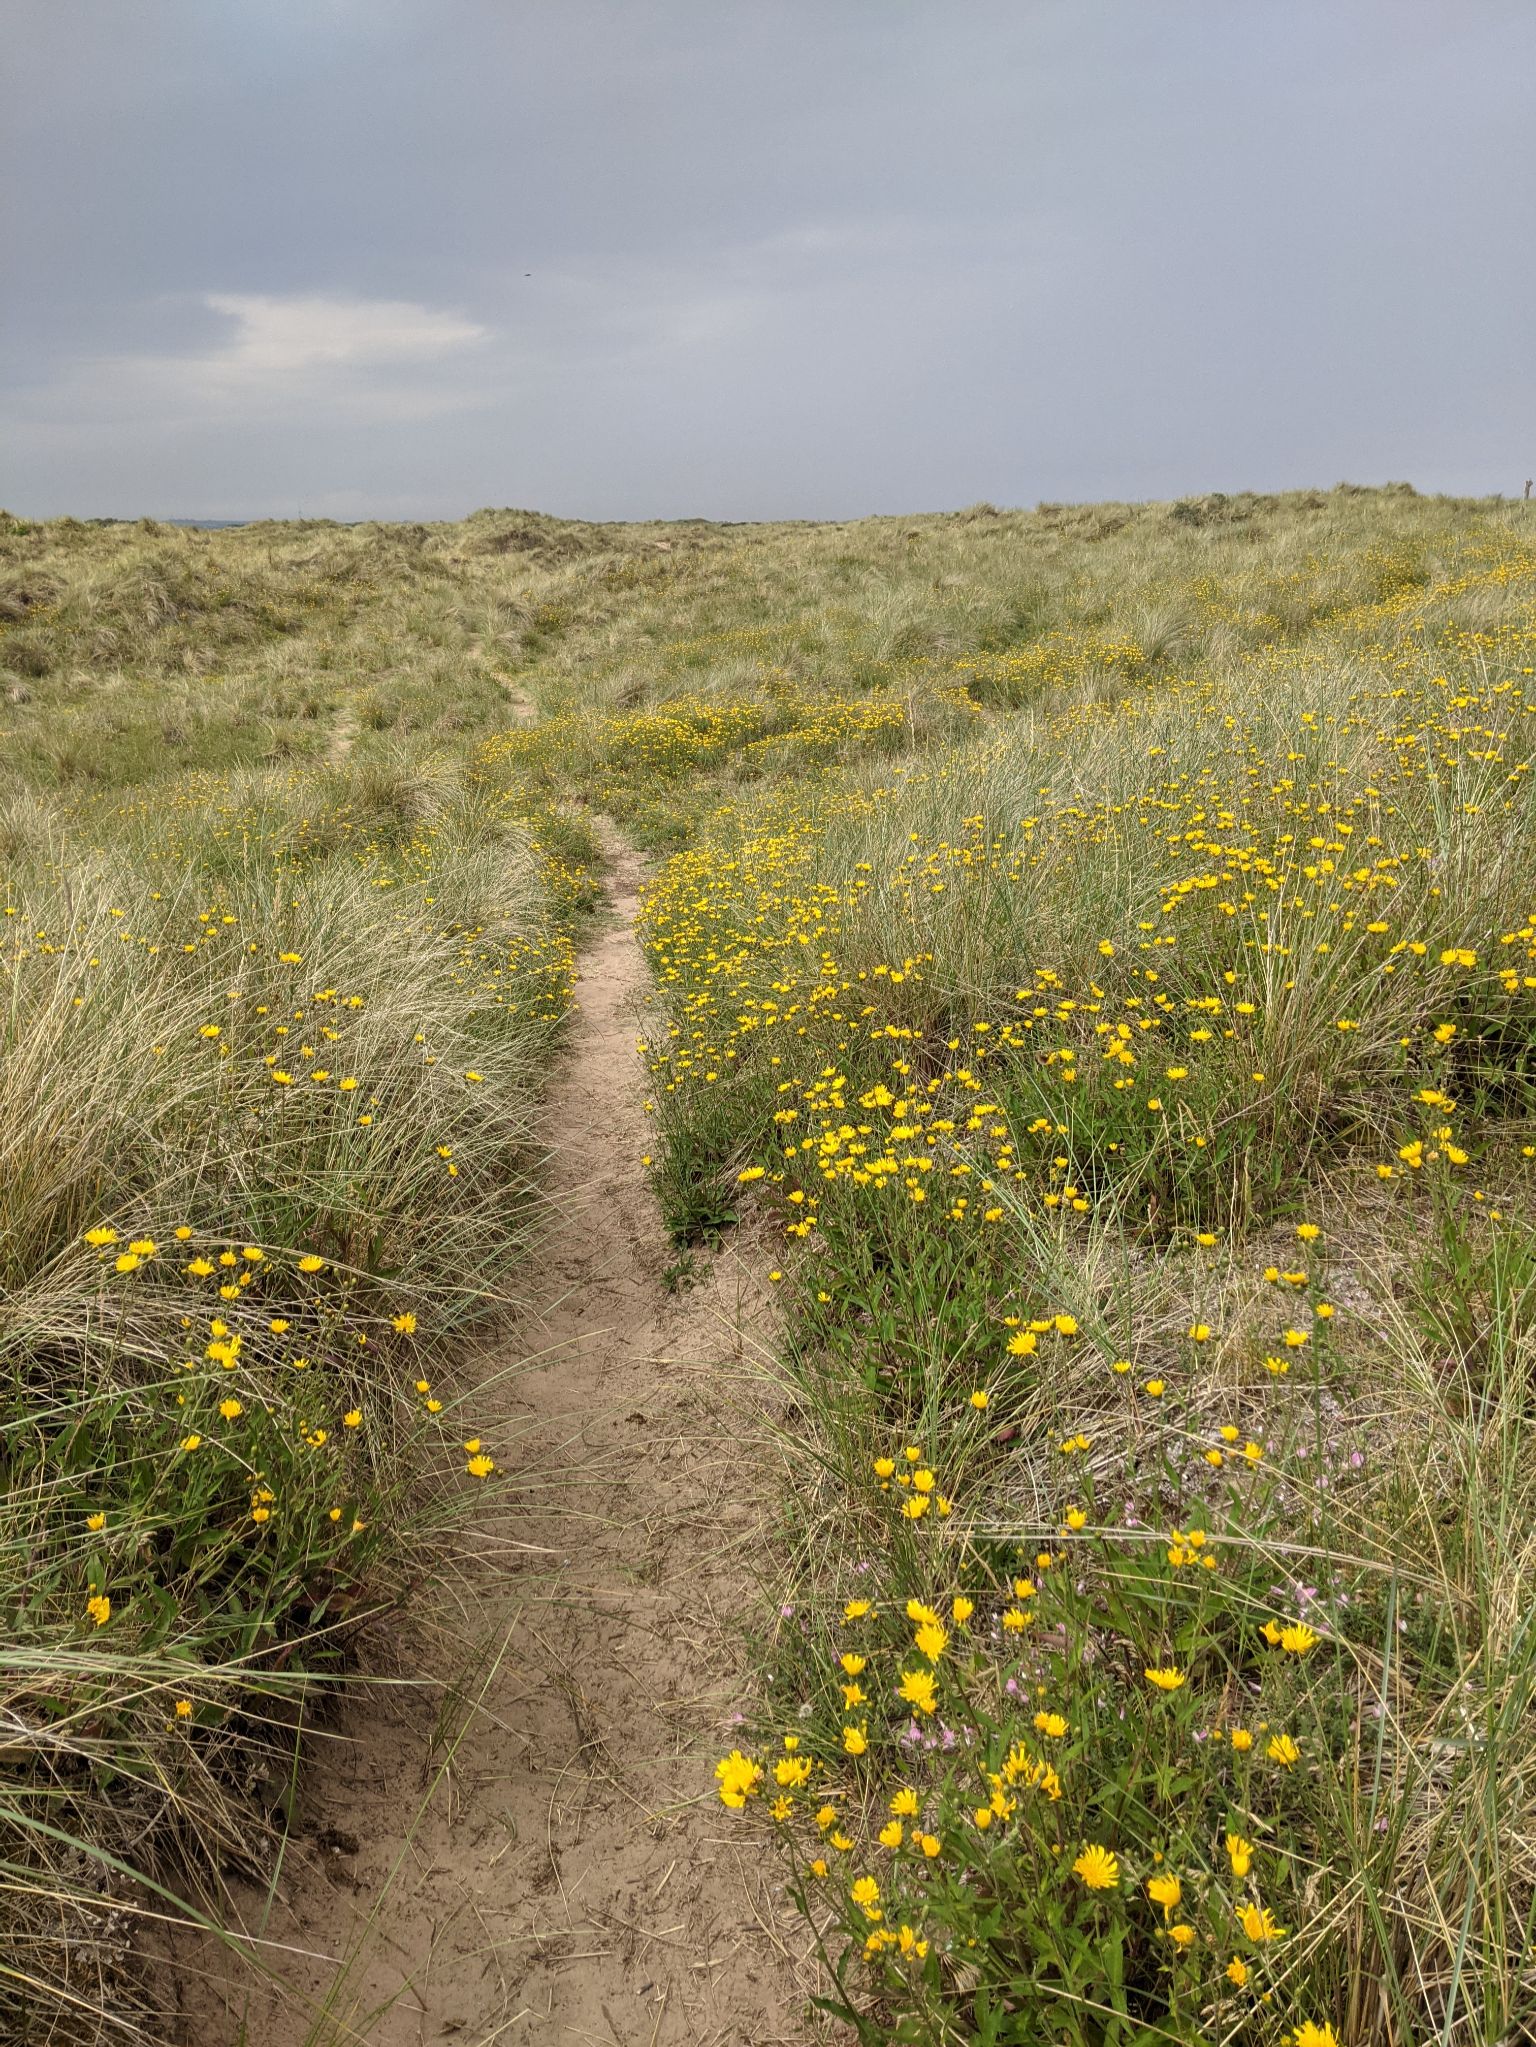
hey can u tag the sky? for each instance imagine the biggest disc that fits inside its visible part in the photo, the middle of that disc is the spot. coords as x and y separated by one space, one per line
790 259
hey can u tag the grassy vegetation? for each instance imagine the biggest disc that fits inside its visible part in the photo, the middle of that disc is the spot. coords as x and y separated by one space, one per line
272 1025
1100 938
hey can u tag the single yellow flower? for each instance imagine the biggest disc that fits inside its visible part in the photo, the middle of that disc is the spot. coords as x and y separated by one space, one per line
1098 1868
1259 1925
1165 1890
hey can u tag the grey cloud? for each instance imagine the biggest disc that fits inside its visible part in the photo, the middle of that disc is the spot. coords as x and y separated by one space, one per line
794 259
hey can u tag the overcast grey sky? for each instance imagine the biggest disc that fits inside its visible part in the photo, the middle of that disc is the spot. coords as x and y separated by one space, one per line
760 258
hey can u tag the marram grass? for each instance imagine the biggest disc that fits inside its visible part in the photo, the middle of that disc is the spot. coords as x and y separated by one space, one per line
264 1150
1145 1095
1102 940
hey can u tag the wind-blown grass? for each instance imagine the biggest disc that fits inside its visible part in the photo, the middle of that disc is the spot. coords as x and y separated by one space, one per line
266 1060
1144 1089
1101 938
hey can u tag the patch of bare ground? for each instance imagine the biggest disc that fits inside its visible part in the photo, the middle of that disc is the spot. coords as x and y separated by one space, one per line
343 735
528 1848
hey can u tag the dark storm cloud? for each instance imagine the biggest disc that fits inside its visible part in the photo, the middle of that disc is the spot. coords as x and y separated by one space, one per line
803 258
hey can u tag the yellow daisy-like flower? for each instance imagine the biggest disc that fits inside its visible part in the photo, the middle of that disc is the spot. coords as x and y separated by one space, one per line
1098 1868
917 1688
1166 1677
738 1777
1166 1891
1259 1924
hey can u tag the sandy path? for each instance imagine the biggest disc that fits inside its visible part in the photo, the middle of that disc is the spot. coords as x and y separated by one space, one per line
343 735
553 1866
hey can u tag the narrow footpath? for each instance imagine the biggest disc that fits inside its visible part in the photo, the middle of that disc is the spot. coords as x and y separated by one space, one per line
536 1854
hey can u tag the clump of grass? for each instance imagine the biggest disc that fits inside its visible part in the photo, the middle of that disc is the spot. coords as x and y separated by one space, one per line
266 1062
1142 1088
